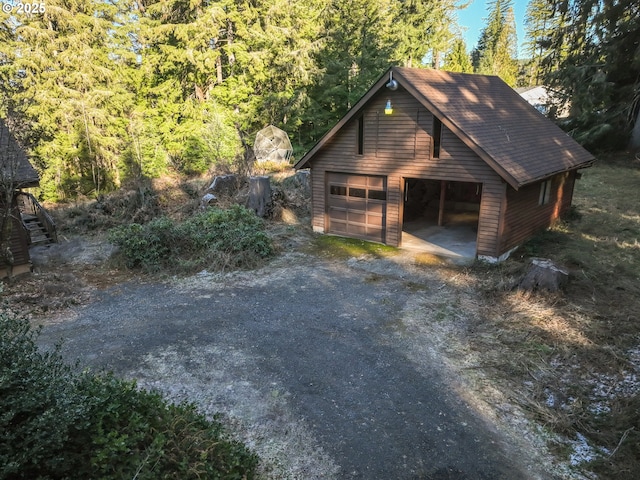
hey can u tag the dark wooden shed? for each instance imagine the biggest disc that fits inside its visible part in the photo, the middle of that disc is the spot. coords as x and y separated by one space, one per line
16 173
428 146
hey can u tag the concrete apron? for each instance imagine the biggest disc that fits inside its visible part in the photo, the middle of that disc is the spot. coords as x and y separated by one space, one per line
456 243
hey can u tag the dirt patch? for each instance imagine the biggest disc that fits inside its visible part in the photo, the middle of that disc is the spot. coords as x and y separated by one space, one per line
450 319
327 367
64 275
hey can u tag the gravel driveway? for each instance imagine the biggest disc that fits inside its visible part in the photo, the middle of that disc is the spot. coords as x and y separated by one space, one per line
327 368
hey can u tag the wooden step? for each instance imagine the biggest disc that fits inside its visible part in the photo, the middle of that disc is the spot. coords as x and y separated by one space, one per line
37 232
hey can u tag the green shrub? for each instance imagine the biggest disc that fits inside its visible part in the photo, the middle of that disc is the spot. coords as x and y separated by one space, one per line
212 238
56 424
38 406
147 246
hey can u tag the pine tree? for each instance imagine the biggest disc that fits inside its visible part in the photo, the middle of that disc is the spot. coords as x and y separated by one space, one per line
540 27
357 50
595 49
496 53
248 63
66 84
458 60
423 31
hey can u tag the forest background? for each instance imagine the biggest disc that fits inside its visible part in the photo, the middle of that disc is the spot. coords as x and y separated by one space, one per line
105 92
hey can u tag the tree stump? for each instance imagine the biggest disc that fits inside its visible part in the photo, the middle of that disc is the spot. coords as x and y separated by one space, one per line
543 274
260 195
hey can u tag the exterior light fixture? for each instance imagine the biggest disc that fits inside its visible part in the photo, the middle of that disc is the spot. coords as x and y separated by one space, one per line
392 84
388 109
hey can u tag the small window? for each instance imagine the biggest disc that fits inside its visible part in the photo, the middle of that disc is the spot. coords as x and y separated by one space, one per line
358 192
377 195
545 192
338 190
361 135
437 137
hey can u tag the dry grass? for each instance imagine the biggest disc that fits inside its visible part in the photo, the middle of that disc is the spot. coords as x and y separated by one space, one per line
270 167
573 359
141 202
430 260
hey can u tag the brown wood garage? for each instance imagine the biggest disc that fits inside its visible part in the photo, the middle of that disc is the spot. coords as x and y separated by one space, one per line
452 130
357 206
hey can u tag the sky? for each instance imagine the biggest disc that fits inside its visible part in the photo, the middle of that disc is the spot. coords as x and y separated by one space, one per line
474 17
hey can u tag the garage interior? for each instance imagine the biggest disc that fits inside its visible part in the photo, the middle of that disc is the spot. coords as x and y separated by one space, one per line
441 217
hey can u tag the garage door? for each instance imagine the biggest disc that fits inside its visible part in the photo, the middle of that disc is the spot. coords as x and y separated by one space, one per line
357 205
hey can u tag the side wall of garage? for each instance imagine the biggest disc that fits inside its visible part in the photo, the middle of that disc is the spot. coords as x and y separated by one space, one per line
536 207
400 146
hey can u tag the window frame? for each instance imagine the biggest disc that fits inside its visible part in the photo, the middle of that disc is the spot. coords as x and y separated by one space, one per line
545 192
360 136
337 190
436 135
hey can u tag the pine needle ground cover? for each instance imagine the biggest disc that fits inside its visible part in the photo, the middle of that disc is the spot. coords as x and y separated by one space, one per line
573 359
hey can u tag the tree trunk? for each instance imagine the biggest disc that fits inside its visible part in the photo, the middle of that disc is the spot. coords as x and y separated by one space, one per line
303 178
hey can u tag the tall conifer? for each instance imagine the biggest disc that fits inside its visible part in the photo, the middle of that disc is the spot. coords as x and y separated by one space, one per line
496 53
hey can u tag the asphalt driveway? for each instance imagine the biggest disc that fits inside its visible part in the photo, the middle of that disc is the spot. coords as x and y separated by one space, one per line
316 363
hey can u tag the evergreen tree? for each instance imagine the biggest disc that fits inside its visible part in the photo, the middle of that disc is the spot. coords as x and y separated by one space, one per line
65 79
496 53
595 48
540 26
423 31
242 63
458 60
357 49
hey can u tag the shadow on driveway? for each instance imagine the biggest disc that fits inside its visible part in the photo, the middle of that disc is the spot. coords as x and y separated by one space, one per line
320 344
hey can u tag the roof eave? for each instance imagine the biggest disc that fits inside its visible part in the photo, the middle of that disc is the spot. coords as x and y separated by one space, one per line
579 166
28 184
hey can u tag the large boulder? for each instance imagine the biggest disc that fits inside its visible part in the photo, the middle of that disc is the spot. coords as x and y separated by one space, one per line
223 185
302 178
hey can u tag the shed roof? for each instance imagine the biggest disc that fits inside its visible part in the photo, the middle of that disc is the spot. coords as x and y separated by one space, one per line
502 128
14 164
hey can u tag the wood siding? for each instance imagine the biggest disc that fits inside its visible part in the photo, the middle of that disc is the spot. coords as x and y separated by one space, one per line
19 243
399 146
524 216
490 219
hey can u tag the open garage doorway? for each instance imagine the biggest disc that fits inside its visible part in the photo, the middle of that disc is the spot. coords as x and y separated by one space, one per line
441 217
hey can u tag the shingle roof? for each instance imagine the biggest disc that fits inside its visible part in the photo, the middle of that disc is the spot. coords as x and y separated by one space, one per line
14 163
492 119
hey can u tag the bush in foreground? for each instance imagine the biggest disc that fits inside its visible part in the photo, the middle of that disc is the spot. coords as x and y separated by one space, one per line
214 238
56 423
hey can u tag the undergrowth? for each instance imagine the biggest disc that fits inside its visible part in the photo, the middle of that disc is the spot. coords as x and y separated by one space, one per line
215 238
56 423
140 203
